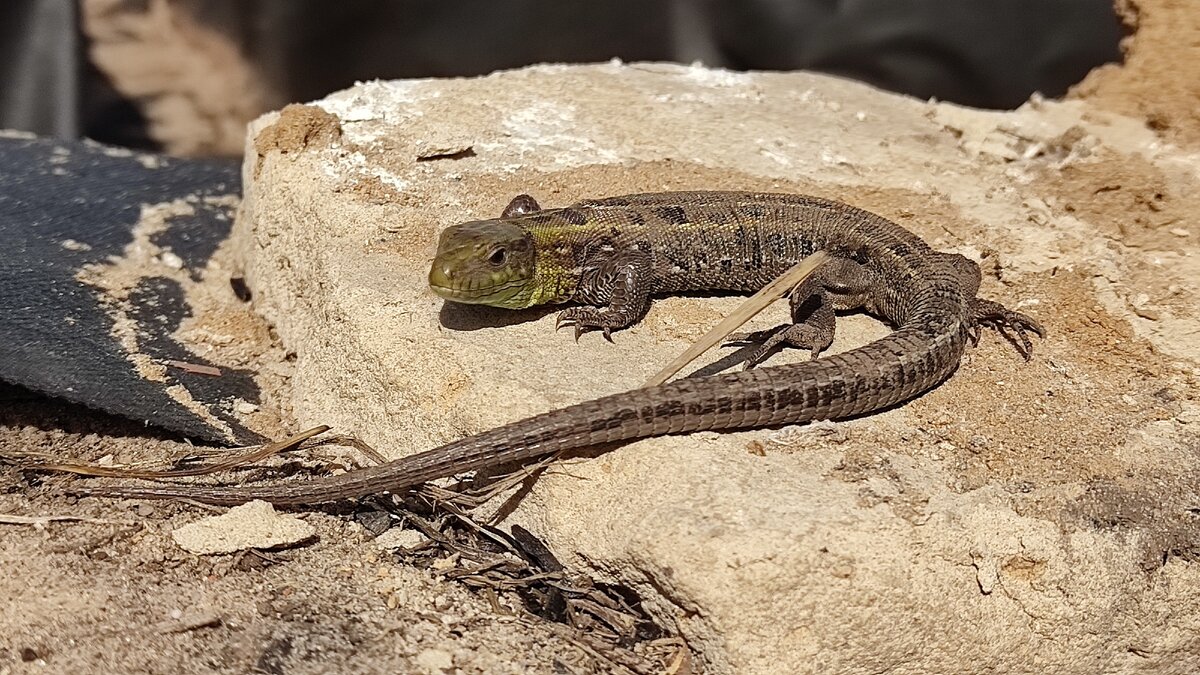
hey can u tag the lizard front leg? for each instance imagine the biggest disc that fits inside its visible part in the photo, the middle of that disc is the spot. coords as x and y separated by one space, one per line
623 283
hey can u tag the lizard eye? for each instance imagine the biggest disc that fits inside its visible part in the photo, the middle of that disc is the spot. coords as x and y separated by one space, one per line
498 257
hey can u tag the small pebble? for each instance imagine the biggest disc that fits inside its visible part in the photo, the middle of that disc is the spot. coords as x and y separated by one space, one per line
399 538
251 525
1148 313
171 260
72 245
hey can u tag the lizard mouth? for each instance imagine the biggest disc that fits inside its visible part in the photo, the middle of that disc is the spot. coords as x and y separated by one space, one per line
482 296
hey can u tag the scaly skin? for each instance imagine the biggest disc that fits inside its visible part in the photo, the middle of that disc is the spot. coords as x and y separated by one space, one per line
613 254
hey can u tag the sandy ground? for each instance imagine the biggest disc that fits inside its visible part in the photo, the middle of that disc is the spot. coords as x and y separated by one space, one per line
114 593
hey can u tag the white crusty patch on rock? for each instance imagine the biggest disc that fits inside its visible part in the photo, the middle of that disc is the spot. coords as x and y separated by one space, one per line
546 124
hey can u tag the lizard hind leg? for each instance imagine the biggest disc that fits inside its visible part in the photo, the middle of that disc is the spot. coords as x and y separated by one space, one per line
1013 326
840 283
814 332
812 326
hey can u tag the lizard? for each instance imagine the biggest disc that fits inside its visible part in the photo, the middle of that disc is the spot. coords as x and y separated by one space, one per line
610 256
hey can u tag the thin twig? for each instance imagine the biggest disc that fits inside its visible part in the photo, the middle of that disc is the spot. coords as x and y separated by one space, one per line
12 519
358 444
259 454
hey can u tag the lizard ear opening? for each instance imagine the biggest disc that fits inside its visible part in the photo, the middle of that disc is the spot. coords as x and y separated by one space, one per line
520 205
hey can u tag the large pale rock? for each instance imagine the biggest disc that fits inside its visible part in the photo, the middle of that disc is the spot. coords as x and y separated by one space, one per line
1023 517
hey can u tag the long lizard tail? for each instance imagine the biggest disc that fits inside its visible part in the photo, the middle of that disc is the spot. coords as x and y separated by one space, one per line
880 374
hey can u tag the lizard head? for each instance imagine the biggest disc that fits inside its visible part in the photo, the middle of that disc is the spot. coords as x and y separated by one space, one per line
485 262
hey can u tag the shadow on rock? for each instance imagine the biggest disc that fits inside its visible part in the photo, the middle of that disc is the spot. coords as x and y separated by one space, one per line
457 316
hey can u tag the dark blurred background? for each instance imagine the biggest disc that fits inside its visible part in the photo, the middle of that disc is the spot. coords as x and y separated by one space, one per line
185 76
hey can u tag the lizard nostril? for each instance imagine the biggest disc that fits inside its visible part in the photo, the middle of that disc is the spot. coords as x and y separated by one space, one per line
448 271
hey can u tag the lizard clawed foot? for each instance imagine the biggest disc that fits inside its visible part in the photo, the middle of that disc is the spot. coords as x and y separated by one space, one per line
586 319
1013 326
801 335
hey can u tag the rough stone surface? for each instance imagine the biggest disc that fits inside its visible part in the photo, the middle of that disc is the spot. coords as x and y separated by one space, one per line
1023 517
1090 445
252 525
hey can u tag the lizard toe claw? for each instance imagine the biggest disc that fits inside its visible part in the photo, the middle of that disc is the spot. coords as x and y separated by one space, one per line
586 319
1013 326
973 332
